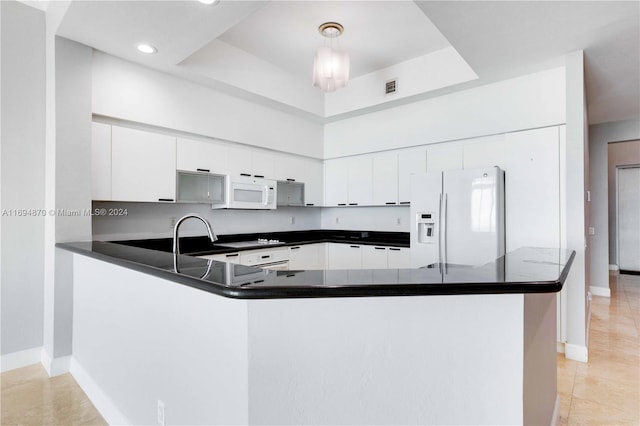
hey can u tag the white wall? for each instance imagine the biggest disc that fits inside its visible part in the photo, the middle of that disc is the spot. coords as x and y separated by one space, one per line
131 92
600 135
23 161
153 220
531 101
620 154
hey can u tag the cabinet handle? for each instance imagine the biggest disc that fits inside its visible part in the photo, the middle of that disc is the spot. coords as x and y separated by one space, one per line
394 249
165 199
290 275
232 255
310 204
353 204
204 170
258 281
294 248
290 180
258 176
354 246
390 202
245 174
379 248
342 204
266 256
405 202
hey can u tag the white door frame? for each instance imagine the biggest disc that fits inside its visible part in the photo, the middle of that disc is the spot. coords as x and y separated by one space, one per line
625 166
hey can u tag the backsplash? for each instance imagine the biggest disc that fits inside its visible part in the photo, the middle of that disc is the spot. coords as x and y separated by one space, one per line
383 218
154 220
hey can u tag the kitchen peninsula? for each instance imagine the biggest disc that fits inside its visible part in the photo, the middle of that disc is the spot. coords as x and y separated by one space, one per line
440 344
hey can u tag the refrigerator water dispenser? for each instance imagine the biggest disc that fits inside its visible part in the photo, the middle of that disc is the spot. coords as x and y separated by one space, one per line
426 227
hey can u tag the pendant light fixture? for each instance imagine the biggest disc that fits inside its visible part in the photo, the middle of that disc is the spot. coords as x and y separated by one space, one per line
330 66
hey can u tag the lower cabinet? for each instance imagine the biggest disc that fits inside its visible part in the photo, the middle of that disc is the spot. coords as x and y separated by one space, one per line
307 256
344 256
355 256
399 258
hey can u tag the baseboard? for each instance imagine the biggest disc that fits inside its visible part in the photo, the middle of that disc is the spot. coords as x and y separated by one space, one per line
613 267
111 414
576 352
555 417
560 347
20 359
55 366
600 291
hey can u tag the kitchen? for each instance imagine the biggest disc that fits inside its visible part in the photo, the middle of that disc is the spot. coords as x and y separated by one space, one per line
117 92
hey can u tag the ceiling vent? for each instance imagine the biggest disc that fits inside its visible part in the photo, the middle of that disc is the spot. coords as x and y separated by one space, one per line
391 87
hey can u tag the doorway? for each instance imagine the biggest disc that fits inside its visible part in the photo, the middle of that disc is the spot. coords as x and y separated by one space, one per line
628 200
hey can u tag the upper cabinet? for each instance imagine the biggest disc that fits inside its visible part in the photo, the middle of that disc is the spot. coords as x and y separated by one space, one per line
349 181
200 156
313 182
410 161
143 165
244 161
101 161
289 168
385 179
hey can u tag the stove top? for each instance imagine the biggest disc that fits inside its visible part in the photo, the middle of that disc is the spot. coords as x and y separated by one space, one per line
252 243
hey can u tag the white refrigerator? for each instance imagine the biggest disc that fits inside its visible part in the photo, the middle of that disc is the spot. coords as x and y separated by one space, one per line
457 217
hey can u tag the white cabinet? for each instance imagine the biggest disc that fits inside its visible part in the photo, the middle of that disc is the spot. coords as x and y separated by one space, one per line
336 182
360 192
446 156
313 183
263 256
289 168
399 258
227 257
101 161
385 179
374 257
532 190
307 256
244 161
200 156
344 256
143 165
409 161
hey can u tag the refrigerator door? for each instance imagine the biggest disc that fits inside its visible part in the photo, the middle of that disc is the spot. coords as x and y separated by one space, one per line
426 201
473 216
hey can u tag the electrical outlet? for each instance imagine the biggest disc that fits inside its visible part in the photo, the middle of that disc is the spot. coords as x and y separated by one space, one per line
592 230
173 222
398 221
337 219
161 421
292 220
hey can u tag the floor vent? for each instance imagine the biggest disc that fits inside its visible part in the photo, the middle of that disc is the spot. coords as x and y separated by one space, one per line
391 87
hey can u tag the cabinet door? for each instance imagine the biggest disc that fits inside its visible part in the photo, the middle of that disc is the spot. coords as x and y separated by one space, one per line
262 164
374 257
444 157
143 165
485 152
227 257
336 182
360 177
409 161
101 161
239 161
399 258
313 183
532 191
201 156
289 168
385 179
344 256
306 256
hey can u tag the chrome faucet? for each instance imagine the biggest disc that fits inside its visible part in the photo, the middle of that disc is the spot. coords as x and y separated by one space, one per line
176 245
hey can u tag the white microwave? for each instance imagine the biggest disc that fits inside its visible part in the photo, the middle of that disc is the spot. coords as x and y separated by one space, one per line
245 192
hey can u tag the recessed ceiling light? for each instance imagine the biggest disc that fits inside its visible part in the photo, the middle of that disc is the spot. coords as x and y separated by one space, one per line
146 48
213 2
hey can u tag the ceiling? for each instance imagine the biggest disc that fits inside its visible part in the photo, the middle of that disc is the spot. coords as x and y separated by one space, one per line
277 39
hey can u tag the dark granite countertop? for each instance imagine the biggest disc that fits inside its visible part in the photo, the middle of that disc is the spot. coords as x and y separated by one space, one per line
525 270
200 246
